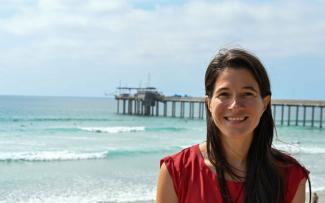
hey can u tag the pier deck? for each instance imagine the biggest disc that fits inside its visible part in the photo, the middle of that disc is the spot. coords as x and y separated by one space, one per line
146 102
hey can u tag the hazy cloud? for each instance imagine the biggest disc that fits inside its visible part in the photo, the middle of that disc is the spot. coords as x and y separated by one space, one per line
122 33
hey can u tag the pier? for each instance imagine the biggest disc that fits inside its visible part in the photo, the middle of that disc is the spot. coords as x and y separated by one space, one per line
298 112
149 102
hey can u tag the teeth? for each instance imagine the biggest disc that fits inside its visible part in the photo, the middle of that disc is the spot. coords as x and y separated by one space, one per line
235 118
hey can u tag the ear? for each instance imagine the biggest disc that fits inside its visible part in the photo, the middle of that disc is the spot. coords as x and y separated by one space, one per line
266 101
207 101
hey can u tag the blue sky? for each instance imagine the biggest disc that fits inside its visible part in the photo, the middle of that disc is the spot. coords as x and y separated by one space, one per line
89 47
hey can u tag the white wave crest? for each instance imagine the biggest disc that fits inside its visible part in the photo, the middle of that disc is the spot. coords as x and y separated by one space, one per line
316 189
116 129
313 150
50 156
298 148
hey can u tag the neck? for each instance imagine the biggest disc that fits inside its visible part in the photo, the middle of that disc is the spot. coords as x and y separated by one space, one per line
236 151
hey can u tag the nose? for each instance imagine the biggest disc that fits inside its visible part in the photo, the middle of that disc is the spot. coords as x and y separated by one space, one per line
235 103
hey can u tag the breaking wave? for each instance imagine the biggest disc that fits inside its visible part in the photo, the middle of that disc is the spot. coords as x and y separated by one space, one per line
65 155
116 129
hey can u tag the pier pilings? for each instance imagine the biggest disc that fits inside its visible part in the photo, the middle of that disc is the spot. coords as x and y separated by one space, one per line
190 107
285 112
306 113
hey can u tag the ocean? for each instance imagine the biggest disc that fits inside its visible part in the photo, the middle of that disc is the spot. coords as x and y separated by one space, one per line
65 149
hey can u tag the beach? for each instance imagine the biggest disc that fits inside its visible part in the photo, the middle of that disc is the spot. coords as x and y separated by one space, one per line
321 197
64 150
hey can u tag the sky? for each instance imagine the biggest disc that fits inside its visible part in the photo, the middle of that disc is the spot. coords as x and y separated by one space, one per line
90 47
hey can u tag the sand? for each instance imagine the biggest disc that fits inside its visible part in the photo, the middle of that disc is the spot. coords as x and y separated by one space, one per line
321 197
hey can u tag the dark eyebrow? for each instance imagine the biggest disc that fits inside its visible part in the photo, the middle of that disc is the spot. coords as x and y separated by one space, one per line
250 88
222 89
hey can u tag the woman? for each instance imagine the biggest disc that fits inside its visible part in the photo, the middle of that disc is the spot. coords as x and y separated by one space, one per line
237 162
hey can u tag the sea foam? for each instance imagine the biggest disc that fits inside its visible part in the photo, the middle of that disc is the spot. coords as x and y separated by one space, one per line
35 156
115 129
50 156
298 148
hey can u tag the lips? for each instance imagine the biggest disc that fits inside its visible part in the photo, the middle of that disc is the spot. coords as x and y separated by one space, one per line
236 118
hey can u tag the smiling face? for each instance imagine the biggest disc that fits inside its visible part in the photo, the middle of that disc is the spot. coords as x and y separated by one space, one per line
236 105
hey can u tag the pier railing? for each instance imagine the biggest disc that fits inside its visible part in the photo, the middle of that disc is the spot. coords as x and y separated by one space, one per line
285 112
298 112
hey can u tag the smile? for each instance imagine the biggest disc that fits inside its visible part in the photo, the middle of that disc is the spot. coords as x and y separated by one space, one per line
237 118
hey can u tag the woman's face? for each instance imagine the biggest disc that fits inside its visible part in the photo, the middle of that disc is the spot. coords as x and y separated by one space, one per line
236 105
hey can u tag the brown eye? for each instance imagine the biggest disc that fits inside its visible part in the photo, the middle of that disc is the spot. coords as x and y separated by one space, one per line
248 93
223 94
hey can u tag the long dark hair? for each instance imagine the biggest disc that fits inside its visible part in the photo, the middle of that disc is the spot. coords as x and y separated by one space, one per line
264 181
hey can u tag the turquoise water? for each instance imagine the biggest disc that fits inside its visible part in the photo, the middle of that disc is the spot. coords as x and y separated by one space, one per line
78 150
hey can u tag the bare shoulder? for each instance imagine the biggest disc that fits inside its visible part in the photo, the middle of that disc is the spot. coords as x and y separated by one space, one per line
203 146
165 189
300 193
203 149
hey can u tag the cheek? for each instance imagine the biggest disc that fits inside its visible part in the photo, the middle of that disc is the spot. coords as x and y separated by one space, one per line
255 106
217 112
252 102
217 107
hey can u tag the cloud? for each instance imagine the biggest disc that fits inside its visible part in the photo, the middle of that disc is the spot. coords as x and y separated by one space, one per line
124 33
192 28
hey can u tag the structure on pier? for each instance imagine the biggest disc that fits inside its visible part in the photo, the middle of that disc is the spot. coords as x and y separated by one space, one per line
146 102
143 100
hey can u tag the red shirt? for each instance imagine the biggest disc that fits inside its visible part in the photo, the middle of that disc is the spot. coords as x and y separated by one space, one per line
194 182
